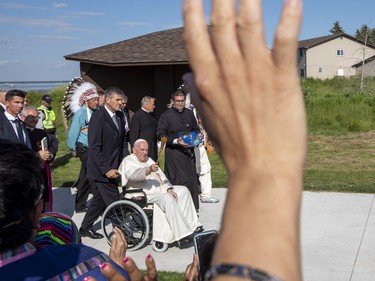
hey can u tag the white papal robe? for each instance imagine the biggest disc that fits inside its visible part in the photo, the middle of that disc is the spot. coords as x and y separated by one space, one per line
173 219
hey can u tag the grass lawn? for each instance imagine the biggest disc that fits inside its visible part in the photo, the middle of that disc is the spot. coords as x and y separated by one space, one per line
341 124
341 163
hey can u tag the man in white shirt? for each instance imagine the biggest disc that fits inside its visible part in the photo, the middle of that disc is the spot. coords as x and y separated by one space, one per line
11 128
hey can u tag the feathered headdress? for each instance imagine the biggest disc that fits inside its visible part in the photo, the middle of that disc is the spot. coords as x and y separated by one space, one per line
76 94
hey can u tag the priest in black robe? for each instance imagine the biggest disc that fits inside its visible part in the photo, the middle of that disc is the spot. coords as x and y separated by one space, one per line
144 125
46 150
179 157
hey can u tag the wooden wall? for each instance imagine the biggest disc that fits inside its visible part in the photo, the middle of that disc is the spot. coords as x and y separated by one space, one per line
158 81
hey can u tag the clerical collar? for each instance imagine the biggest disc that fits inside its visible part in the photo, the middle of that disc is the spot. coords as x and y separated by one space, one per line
144 110
178 110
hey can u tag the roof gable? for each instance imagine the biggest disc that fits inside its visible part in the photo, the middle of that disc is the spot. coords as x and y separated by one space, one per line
163 47
310 43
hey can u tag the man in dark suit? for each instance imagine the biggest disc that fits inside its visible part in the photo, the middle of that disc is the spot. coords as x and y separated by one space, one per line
106 149
2 100
29 116
144 126
11 128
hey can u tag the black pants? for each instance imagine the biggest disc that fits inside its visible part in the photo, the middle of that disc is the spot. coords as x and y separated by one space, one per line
83 184
104 194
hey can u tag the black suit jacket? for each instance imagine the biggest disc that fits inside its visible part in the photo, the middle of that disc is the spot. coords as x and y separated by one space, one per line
144 126
7 132
36 135
106 145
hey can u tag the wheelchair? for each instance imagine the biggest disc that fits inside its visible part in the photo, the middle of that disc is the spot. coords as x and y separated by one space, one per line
133 215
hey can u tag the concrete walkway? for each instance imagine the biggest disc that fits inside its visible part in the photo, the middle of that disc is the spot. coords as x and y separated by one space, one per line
338 235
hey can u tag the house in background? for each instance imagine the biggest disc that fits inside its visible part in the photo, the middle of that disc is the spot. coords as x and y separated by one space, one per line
330 56
368 67
152 64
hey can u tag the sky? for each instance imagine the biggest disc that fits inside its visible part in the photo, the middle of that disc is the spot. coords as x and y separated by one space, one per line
36 35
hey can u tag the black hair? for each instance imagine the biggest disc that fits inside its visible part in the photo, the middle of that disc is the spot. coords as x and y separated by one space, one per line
20 188
109 92
178 93
14 93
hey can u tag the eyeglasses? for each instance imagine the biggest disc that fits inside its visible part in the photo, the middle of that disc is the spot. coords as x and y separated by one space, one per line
179 101
33 117
40 195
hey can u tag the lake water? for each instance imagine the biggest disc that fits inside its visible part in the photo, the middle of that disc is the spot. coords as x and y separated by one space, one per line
33 86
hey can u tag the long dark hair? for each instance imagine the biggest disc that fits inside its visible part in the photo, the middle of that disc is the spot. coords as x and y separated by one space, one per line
20 189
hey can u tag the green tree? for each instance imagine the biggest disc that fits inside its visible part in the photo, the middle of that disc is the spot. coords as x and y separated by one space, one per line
337 28
365 33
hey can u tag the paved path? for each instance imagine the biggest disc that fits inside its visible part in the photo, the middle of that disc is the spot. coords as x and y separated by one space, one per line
338 235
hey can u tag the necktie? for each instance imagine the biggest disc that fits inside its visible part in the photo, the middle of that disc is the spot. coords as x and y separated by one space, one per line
126 123
19 131
114 118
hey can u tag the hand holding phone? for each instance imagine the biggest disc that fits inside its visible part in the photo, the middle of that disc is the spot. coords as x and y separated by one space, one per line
204 244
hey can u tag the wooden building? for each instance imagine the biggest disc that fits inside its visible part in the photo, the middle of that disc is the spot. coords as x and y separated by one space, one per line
151 64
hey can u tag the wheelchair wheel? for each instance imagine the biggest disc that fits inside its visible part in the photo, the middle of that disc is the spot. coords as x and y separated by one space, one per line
159 247
131 219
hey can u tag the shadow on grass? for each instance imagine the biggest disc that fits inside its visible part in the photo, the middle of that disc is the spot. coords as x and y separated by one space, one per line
68 184
61 161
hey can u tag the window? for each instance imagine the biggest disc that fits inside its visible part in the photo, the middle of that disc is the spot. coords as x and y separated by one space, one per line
340 53
302 72
301 53
320 69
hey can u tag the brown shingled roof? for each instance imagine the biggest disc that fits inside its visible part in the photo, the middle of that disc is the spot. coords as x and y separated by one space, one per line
309 43
163 47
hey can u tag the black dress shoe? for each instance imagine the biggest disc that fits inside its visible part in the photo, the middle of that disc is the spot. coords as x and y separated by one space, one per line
84 210
90 233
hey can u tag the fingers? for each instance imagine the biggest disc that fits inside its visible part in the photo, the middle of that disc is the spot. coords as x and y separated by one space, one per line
224 39
286 37
134 273
191 272
117 251
121 234
111 273
151 269
197 41
251 29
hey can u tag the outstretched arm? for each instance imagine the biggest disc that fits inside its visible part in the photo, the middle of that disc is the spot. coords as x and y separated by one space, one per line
252 94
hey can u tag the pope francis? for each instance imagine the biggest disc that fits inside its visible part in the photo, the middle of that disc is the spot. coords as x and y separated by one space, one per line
175 217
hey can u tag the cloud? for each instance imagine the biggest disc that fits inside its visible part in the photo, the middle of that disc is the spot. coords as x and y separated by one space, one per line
11 5
134 23
59 65
59 5
4 42
55 24
90 14
7 62
4 62
53 37
171 26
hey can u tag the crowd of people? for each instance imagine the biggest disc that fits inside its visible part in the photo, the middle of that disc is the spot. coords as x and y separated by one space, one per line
240 88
